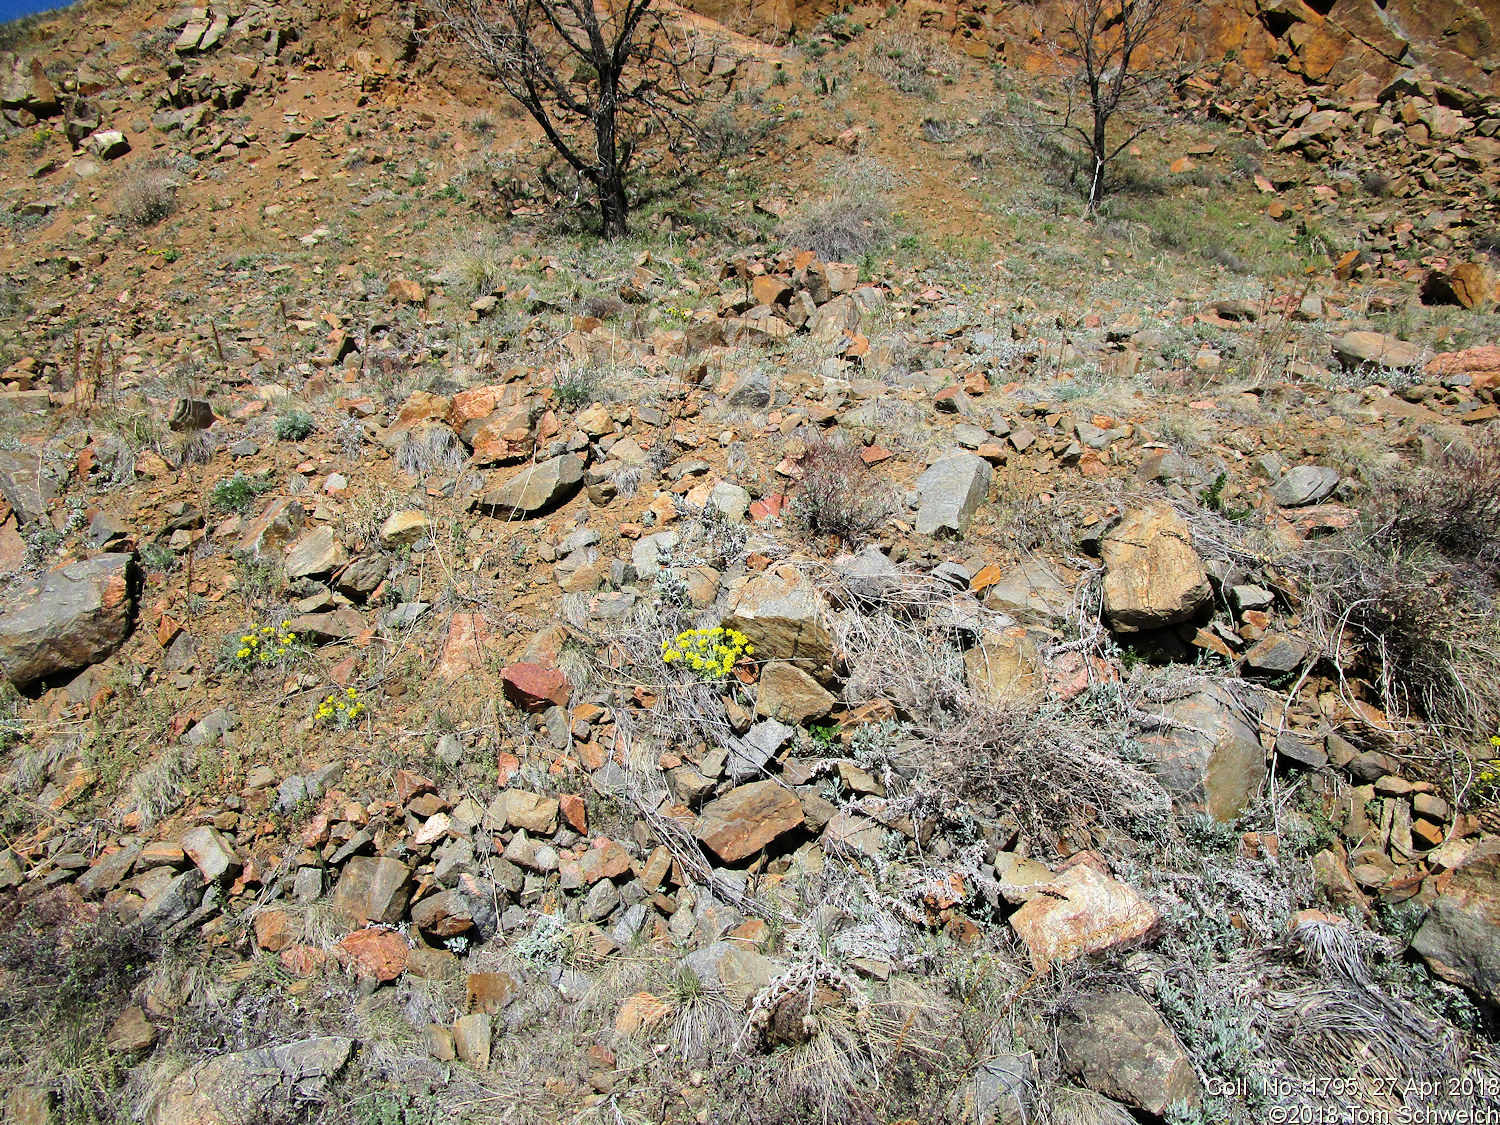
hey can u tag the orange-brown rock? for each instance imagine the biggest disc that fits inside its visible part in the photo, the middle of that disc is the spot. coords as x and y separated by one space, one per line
375 953
746 819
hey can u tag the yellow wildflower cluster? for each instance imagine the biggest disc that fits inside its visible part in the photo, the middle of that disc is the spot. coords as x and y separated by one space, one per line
710 653
267 646
341 712
1487 776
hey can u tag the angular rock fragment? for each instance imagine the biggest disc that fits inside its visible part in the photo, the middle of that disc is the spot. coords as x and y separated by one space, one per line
1117 1044
952 490
1153 576
1080 912
534 489
68 618
746 819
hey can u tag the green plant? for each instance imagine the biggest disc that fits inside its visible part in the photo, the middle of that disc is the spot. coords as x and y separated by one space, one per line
577 387
158 558
708 653
237 493
294 425
823 735
545 942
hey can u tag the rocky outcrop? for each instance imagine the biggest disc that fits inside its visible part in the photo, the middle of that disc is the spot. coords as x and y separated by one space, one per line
1207 753
68 619
1116 1043
252 1087
1460 938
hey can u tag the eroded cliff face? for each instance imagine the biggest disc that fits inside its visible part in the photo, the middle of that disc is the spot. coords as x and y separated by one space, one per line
1324 43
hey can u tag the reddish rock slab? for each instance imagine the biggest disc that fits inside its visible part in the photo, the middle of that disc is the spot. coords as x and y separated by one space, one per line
1482 365
273 930
535 687
1080 912
465 647
381 954
748 818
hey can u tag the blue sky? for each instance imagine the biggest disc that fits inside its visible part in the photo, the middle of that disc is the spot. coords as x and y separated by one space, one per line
13 9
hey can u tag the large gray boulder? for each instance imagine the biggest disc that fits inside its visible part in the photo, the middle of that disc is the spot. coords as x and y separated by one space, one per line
535 488
1460 939
263 1086
952 490
24 485
1304 485
1116 1043
1207 754
68 618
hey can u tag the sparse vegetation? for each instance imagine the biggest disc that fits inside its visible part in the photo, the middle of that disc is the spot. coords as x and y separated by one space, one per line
656 763
238 492
576 387
146 196
294 425
838 495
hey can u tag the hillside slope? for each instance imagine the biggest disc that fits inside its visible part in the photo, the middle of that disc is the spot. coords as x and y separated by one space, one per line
876 644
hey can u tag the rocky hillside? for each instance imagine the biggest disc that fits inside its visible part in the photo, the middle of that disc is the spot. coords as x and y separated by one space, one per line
874 645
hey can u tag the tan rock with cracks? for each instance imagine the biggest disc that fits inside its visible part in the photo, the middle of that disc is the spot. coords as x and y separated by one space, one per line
1081 912
1153 576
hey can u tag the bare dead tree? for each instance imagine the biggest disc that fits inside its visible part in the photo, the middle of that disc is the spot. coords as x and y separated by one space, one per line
1119 56
593 77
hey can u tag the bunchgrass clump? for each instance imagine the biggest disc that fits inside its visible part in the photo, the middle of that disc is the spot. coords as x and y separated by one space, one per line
842 227
146 197
1412 594
237 493
475 268
294 425
1452 504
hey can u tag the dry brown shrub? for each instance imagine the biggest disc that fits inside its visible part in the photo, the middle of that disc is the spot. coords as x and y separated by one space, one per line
146 196
839 494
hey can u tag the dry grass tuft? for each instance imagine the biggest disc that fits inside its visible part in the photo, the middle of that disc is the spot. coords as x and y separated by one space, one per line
852 220
1410 598
1451 505
475 267
146 196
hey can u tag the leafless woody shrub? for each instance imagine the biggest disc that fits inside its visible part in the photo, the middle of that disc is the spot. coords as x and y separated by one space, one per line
839 495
